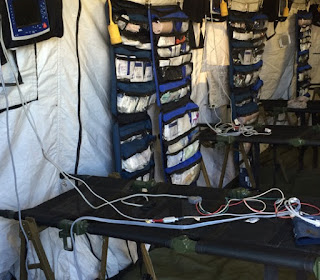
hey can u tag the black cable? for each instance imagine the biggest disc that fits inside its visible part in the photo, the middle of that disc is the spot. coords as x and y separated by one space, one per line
21 81
92 251
91 248
36 62
127 242
79 92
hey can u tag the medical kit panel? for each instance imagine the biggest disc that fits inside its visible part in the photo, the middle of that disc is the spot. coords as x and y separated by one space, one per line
133 91
178 119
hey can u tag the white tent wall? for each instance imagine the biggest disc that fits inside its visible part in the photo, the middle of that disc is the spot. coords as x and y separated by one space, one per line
315 55
279 70
202 70
55 114
279 62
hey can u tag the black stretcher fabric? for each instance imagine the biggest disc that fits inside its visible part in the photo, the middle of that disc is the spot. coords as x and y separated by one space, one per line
269 241
280 135
313 106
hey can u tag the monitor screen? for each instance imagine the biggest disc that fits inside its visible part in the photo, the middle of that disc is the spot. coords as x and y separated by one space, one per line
26 12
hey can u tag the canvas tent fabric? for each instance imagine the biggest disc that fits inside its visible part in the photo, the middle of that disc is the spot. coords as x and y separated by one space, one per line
279 70
52 76
314 59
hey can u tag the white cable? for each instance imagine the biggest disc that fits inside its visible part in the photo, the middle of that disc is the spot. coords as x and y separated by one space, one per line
245 201
250 198
131 204
5 94
268 191
295 211
160 225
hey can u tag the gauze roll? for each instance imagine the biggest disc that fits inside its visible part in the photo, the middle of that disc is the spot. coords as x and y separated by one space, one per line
162 27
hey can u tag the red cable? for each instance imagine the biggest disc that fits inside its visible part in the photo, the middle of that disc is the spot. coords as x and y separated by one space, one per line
223 205
157 220
312 206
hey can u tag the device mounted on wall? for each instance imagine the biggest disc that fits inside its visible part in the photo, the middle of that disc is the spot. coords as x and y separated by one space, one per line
28 18
28 21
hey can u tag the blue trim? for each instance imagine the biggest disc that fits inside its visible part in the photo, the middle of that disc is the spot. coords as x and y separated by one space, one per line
130 129
137 54
248 68
139 88
304 15
259 17
242 44
116 147
127 175
243 96
113 101
179 111
129 149
172 85
247 109
257 85
300 53
175 14
137 17
304 68
197 156
163 152
155 76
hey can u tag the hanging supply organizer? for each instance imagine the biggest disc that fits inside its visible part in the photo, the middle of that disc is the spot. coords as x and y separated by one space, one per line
303 35
247 34
133 91
247 29
178 119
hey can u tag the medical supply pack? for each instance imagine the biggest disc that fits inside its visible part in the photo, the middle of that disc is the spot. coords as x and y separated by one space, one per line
303 39
133 92
178 118
247 34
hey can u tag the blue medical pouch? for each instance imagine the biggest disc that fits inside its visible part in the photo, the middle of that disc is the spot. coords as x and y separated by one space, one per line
304 232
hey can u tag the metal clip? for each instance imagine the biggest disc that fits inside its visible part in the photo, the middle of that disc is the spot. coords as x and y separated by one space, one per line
78 229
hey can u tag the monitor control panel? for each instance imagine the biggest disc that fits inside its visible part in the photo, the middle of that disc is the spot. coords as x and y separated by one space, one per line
28 18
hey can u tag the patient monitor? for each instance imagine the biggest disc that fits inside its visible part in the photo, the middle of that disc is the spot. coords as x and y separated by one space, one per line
27 18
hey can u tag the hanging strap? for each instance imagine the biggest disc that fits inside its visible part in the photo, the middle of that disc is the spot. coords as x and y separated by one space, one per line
275 24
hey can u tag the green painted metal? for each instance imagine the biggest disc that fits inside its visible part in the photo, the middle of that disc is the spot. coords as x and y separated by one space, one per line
183 244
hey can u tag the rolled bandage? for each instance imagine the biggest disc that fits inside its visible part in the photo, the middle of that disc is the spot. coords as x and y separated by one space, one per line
248 119
162 27
135 28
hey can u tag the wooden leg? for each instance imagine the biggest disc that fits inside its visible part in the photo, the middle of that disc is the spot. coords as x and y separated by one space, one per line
263 114
205 173
32 231
23 251
224 165
147 261
247 164
103 268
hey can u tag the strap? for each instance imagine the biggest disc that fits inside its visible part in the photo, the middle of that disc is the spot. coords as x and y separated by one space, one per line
275 24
